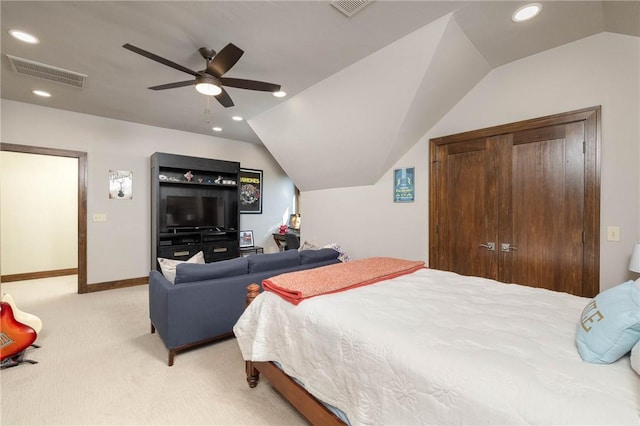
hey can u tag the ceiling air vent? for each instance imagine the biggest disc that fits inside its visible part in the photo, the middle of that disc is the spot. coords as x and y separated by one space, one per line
350 7
47 72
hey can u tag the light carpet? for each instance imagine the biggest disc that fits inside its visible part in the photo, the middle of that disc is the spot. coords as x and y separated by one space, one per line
99 364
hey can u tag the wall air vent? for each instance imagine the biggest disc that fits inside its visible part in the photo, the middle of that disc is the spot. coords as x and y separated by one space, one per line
350 7
47 72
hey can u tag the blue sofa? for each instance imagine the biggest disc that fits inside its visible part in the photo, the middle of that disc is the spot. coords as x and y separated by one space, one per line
207 299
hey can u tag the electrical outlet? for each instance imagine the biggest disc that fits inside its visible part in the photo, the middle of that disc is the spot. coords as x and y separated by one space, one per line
99 217
613 233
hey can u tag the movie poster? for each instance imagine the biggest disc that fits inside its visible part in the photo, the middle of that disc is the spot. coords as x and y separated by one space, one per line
250 191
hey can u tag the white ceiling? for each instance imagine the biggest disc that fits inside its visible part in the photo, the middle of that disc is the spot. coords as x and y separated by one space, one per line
298 44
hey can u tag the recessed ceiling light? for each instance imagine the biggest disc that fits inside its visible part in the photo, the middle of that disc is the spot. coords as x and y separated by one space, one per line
26 37
280 94
41 93
217 129
526 12
237 118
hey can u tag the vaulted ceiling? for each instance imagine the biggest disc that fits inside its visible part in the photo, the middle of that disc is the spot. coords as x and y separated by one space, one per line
361 90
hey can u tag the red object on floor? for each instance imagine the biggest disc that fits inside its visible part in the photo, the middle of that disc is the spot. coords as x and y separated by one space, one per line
15 337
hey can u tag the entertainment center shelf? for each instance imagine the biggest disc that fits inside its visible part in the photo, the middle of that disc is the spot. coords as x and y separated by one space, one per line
177 177
196 237
194 207
215 245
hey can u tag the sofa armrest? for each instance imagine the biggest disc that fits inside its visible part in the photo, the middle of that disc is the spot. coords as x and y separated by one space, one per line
191 312
159 288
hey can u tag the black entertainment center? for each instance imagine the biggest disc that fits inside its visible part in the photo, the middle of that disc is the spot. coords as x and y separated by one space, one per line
194 207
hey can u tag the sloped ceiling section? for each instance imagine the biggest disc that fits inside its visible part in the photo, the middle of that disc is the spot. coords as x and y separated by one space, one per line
350 128
456 67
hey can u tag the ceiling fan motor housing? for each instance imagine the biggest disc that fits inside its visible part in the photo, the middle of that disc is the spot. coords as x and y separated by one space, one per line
207 53
206 78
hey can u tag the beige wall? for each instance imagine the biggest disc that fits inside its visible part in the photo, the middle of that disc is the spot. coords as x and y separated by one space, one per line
38 213
599 70
120 247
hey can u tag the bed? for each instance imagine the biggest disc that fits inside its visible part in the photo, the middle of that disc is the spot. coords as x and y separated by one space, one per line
434 347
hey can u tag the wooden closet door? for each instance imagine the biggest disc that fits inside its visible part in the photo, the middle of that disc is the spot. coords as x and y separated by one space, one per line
533 189
470 211
544 223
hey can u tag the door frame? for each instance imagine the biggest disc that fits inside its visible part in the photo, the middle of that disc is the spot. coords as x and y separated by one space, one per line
592 149
82 199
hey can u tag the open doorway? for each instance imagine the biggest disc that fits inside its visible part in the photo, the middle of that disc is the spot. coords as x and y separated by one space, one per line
82 199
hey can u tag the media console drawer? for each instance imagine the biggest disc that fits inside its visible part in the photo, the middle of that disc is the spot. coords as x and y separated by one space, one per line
220 250
178 252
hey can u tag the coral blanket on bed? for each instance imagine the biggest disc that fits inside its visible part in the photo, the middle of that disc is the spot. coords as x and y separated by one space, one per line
294 287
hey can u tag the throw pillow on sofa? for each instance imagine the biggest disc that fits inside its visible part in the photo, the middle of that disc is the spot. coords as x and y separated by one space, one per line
343 255
168 266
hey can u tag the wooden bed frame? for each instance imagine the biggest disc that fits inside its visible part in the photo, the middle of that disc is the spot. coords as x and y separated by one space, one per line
306 404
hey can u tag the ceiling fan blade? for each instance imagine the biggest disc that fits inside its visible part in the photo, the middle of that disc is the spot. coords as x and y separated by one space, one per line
241 83
224 99
224 60
173 85
159 59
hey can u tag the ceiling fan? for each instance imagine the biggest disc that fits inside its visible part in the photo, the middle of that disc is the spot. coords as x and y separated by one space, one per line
210 80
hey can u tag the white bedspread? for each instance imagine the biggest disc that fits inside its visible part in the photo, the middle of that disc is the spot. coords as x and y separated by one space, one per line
435 347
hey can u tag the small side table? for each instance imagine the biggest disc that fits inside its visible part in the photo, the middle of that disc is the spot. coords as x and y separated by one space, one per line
246 251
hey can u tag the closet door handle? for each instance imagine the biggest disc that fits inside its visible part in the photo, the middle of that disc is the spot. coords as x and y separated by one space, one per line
490 246
506 247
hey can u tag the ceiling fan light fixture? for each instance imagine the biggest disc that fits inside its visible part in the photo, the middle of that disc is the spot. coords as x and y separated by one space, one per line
280 94
208 86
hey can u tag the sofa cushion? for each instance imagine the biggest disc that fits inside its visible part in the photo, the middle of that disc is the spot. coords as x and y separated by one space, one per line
272 261
191 272
315 256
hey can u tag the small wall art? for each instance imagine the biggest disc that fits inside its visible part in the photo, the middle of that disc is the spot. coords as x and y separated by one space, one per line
251 191
403 185
120 185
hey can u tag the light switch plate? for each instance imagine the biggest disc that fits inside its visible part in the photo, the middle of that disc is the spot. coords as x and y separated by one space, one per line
99 217
613 233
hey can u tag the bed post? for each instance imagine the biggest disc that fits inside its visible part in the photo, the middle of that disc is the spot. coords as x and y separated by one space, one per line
253 376
310 407
252 292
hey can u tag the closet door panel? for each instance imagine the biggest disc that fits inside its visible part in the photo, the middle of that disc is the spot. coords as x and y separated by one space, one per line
546 222
470 214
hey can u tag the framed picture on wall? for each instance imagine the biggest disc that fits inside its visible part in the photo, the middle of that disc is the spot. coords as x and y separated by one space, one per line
120 185
251 191
403 185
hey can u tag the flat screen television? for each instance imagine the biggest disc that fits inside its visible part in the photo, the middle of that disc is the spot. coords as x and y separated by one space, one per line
194 212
